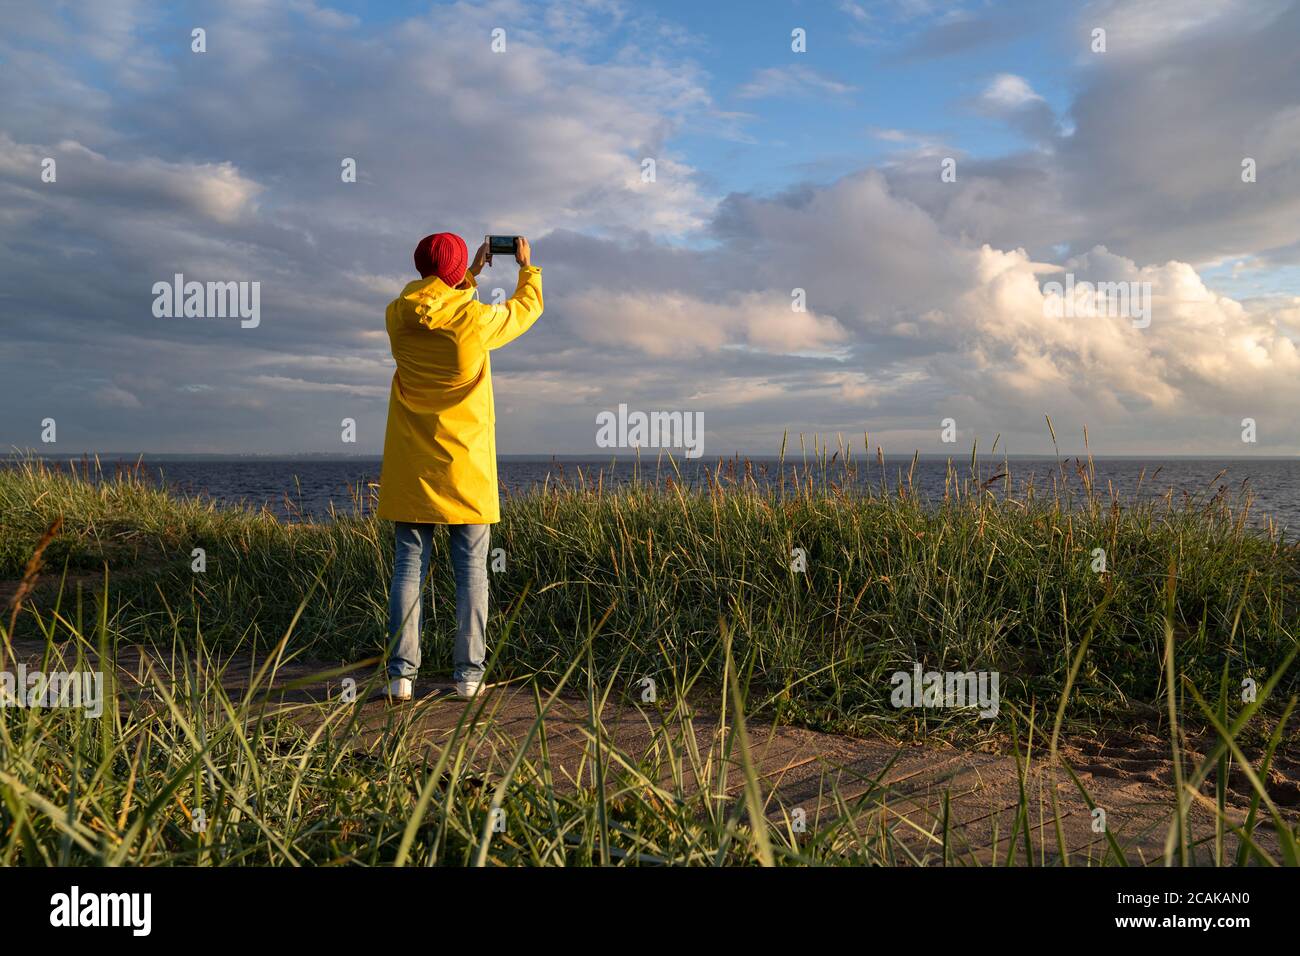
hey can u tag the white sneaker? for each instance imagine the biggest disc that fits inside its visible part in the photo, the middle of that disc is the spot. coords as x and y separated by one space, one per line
468 688
400 689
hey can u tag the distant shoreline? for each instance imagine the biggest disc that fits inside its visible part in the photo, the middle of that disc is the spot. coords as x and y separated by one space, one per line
648 454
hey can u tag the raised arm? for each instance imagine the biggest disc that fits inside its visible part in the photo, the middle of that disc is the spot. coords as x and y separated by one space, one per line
504 323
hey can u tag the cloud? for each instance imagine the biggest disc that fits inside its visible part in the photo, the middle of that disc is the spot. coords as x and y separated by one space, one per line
957 31
1009 92
1136 30
1198 102
667 324
283 383
1010 97
791 81
110 396
1148 159
856 11
912 145
948 327
1203 354
216 191
925 299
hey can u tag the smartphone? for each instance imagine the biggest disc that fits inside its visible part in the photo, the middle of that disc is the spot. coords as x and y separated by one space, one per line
501 245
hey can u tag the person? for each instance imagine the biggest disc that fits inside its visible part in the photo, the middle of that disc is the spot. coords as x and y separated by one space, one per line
440 463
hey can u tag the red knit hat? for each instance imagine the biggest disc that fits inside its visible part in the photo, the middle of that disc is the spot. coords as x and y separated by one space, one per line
443 255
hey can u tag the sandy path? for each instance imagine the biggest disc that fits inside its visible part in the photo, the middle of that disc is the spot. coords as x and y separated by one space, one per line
1128 775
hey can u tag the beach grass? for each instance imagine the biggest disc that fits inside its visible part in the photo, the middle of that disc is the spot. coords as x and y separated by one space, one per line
827 590
181 772
700 589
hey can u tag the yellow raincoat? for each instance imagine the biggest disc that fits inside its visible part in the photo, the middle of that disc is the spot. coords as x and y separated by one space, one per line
440 450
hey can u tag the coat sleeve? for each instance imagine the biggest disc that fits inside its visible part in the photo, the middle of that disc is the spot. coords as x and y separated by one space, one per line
500 324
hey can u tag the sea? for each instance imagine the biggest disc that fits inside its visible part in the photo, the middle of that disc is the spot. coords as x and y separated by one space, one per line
319 488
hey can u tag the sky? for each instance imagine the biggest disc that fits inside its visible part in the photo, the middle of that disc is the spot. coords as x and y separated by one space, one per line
854 237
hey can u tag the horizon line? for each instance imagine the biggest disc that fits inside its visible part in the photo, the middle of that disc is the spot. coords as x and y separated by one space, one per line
654 453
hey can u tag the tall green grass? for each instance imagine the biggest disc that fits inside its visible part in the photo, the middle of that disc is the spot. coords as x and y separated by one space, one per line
993 576
181 771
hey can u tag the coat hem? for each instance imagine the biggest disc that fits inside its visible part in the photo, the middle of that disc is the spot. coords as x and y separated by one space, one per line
439 519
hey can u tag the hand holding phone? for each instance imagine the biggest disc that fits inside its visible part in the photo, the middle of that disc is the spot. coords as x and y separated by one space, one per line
508 245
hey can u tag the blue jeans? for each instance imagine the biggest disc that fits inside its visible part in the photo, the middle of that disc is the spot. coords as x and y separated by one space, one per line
469 554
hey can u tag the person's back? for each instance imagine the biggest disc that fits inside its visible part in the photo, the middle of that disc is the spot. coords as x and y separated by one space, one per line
440 445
